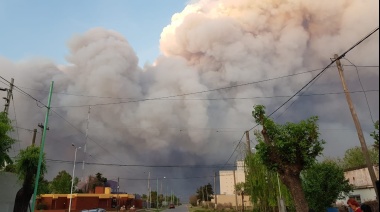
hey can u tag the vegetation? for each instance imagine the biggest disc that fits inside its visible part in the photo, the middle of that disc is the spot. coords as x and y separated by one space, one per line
61 184
375 136
262 185
6 142
354 158
288 149
26 169
205 193
324 183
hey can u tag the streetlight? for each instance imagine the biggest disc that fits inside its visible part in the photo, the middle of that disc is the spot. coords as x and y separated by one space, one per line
72 179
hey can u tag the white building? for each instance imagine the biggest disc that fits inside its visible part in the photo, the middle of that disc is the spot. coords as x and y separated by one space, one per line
363 187
226 179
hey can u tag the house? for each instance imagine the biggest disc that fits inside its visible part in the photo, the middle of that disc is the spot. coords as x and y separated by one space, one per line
363 188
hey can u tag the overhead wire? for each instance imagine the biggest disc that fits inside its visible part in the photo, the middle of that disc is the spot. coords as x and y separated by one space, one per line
315 77
14 111
361 85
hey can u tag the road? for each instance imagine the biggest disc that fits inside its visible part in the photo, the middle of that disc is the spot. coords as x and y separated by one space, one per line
181 208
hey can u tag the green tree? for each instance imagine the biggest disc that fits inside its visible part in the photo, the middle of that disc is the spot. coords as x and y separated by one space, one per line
6 142
324 183
26 169
375 135
354 157
288 149
61 183
262 185
205 193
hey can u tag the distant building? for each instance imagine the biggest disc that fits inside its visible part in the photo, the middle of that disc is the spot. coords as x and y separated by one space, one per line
227 188
226 179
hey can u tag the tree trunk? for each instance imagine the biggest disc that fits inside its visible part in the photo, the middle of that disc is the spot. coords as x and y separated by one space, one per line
22 199
293 182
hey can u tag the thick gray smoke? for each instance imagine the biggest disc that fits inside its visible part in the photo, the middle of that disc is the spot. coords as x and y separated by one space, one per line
210 44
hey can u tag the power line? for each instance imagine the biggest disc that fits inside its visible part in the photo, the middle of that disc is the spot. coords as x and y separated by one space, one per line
18 135
315 77
361 85
192 93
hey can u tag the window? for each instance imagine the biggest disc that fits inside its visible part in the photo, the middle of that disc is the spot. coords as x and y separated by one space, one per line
356 197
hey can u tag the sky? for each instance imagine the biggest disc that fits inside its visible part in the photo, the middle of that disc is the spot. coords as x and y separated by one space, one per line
49 26
172 84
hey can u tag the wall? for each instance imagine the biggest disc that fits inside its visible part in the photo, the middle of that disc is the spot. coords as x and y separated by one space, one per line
225 199
9 187
226 179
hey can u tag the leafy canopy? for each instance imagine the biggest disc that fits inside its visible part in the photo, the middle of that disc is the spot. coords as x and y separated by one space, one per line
290 144
354 157
61 184
27 162
375 135
324 183
6 142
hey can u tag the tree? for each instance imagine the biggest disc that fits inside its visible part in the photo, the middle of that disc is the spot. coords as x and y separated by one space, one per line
6 142
205 193
26 169
193 199
323 184
375 135
98 180
262 185
354 157
61 183
288 149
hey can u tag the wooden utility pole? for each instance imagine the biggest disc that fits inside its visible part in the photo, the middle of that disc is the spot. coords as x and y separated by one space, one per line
236 199
248 142
215 194
9 96
34 137
357 125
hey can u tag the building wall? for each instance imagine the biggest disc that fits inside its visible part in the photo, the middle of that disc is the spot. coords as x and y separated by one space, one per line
226 179
9 186
230 199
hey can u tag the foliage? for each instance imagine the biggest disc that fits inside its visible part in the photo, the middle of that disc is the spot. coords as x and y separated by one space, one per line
10 168
6 142
288 149
375 135
193 200
27 163
61 183
354 158
44 186
26 169
323 184
262 185
205 193
98 180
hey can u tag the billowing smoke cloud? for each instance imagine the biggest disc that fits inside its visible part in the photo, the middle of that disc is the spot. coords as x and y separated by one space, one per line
210 44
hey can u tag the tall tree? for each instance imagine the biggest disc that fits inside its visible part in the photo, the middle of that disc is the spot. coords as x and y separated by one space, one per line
205 193
354 157
26 168
262 185
323 184
288 149
61 183
6 142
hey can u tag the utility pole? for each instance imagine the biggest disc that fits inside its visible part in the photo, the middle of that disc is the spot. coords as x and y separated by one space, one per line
148 196
40 125
9 96
118 199
42 148
215 195
357 125
248 142
34 137
85 146
236 200
157 195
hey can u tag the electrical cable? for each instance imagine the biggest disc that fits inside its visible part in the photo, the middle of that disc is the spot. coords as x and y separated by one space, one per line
187 94
18 135
361 85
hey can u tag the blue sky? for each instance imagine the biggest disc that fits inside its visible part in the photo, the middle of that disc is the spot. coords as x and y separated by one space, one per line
41 28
